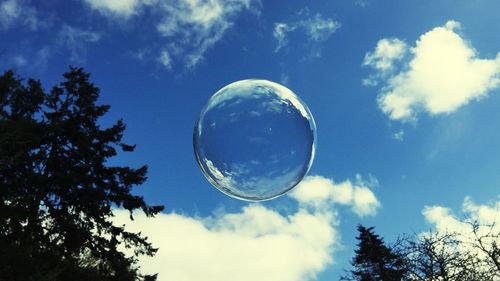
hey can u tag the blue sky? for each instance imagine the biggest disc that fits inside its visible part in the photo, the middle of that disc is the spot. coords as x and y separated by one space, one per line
405 95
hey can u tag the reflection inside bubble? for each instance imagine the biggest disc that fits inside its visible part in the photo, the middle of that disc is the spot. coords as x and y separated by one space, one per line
254 140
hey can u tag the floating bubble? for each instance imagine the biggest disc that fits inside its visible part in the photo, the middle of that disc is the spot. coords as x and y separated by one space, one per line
255 140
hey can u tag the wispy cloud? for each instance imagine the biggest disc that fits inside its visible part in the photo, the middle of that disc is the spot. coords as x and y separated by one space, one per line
19 60
255 243
117 8
361 3
69 41
75 40
189 28
165 59
442 74
17 13
316 29
194 27
399 135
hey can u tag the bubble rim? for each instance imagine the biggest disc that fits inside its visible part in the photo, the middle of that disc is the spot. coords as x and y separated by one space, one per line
308 116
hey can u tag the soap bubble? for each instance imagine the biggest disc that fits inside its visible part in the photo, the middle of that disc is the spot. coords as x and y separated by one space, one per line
255 140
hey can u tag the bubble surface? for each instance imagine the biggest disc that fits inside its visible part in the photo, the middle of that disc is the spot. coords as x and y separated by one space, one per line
255 140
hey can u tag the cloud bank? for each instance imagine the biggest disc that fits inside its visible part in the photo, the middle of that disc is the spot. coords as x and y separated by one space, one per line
441 74
256 243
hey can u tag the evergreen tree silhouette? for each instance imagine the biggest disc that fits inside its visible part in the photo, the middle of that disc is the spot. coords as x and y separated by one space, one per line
374 261
57 190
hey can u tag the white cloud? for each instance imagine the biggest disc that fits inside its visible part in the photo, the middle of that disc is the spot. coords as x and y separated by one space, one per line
364 202
316 29
17 12
386 53
256 243
75 40
119 8
443 73
319 192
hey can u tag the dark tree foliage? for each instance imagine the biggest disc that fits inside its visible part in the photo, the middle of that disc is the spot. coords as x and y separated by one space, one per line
487 243
472 255
437 256
374 261
57 191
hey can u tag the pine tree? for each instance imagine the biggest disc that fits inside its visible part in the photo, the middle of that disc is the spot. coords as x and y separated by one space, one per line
374 261
57 191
